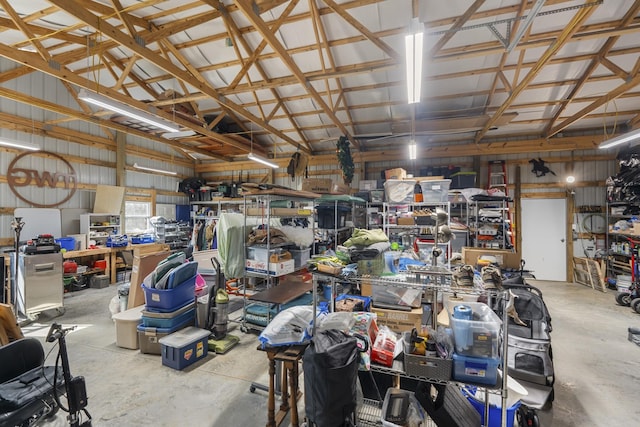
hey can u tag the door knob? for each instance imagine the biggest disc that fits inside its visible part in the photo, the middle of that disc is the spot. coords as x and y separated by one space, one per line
562 240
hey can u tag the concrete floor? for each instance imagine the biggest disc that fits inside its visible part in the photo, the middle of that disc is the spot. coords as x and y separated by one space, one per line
597 369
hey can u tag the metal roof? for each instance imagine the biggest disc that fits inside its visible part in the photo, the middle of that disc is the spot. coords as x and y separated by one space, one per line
275 76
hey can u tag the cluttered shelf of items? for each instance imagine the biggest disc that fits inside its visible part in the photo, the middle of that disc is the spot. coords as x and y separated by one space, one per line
300 267
431 317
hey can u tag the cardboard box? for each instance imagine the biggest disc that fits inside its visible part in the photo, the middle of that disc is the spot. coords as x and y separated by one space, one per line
318 185
397 173
366 290
397 320
505 258
340 189
406 220
275 268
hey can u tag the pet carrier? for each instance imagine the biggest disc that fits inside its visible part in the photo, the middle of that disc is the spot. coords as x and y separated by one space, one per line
530 357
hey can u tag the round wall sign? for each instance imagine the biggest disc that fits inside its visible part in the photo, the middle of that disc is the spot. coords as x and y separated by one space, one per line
45 170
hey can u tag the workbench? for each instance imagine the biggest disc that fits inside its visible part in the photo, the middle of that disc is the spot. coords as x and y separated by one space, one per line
110 255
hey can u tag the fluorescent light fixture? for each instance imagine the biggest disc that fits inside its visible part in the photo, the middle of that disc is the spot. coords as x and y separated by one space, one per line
125 110
571 179
413 150
627 137
16 144
259 159
413 57
163 171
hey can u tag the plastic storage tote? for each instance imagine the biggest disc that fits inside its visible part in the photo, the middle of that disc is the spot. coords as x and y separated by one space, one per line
476 329
169 320
480 370
167 300
435 191
399 190
149 337
185 347
126 324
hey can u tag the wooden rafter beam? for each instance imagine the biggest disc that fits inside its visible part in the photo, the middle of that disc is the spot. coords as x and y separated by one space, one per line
604 99
572 27
459 22
72 7
323 43
124 17
275 44
593 65
233 28
503 60
54 107
369 35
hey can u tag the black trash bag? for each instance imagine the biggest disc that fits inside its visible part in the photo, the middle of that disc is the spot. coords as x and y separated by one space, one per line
330 365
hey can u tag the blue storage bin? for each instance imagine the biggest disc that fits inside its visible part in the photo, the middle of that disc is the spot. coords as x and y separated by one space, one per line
185 347
136 240
166 300
169 320
68 243
495 413
480 370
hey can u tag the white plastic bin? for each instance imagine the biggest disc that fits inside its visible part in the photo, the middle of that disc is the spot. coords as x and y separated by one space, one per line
435 191
476 334
126 327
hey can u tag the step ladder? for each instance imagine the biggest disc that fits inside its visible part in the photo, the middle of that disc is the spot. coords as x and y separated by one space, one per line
498 184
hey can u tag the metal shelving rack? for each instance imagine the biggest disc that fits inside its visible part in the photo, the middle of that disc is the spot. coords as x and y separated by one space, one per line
414 229
263 203
216 206
503 238
619 251
340 234
432 281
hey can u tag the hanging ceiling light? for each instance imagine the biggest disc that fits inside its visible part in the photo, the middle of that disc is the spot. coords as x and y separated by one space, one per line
618 140
259 159
163 171
125 110
17 144
413 150
413 58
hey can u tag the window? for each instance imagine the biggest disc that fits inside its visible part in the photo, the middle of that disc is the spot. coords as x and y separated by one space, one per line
137 216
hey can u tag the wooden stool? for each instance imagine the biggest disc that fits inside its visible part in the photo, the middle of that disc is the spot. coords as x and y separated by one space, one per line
289 357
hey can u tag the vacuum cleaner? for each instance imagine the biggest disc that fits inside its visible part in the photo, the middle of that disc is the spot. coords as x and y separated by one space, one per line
218 314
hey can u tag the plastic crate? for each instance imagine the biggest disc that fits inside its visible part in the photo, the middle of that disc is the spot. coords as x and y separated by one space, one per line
169 320
300 257
463 179
167 300
399 190
137 240
185 347
434 368
149 338
480 370
126 325
327 216
435 191
476 329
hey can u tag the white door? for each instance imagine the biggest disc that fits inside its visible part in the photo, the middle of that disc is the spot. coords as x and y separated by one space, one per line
544 230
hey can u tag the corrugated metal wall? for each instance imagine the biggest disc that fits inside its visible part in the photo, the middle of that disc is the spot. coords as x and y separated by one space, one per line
48 88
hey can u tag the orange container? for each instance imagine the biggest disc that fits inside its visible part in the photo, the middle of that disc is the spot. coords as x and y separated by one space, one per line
100 264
